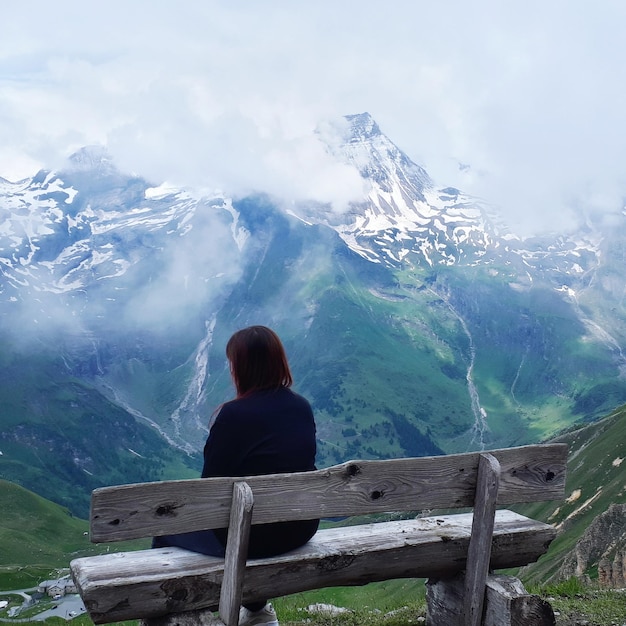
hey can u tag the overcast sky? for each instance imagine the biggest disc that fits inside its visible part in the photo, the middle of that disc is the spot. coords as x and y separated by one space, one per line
530 97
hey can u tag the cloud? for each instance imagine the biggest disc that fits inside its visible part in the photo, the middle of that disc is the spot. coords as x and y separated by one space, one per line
227 95
187 280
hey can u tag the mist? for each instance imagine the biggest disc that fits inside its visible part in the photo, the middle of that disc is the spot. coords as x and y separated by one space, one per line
165 274
521 105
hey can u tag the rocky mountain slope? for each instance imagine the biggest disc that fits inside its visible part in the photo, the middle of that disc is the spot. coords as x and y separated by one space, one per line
592 518
601 549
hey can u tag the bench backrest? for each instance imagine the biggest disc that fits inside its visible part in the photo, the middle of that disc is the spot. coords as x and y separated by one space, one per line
528 474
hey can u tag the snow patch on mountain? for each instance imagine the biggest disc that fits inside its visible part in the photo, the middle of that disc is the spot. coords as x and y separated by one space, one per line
28 212
55 238
405 218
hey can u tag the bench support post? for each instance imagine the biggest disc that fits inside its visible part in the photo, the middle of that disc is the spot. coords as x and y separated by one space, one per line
236 553
479 551
234 569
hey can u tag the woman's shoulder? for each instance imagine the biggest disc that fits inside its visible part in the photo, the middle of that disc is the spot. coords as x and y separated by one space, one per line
294 402
296 396
288 394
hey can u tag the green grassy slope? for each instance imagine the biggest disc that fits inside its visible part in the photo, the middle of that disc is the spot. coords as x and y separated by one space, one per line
36 536
596 479
61 438
538 369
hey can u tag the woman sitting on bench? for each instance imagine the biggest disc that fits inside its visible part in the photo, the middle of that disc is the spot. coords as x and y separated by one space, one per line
266 429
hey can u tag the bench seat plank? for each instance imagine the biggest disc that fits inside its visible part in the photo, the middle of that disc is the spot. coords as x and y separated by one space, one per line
528 474
149 583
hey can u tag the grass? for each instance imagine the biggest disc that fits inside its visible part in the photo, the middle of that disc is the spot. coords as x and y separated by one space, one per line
597 608
18 577
575 603
356 617
388 603
36 534
39 537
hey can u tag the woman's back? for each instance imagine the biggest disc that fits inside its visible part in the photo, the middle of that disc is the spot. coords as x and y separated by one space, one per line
265 432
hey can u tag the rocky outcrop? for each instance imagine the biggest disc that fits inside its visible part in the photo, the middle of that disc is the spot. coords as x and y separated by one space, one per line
612 574
603 545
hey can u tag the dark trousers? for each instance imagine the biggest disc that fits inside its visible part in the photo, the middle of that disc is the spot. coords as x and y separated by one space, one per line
265 540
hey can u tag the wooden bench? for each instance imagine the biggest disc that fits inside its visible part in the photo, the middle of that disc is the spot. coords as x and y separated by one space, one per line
175 586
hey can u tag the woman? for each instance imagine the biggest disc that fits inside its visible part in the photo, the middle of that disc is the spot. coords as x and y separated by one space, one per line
266 429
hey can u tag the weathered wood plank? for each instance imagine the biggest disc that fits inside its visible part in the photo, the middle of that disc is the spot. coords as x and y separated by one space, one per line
528 474
506 598
236 552
479 552
148 583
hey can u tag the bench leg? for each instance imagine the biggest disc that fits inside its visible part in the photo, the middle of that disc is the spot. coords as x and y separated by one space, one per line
507 603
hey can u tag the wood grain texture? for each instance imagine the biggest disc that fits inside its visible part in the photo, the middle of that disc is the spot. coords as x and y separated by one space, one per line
507 598
528 474
149 583
479 552
236 552
507 603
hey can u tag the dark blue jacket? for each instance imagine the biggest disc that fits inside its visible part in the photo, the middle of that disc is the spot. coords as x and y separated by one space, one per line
266 432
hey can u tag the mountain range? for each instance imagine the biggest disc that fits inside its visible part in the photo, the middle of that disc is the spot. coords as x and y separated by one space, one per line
416 321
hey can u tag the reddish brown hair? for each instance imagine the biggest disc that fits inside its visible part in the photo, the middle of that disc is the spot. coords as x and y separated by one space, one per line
257 360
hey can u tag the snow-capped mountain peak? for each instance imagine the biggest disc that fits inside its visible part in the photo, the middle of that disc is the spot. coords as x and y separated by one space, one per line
61 230
403 214
363 127
92 159
406 218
